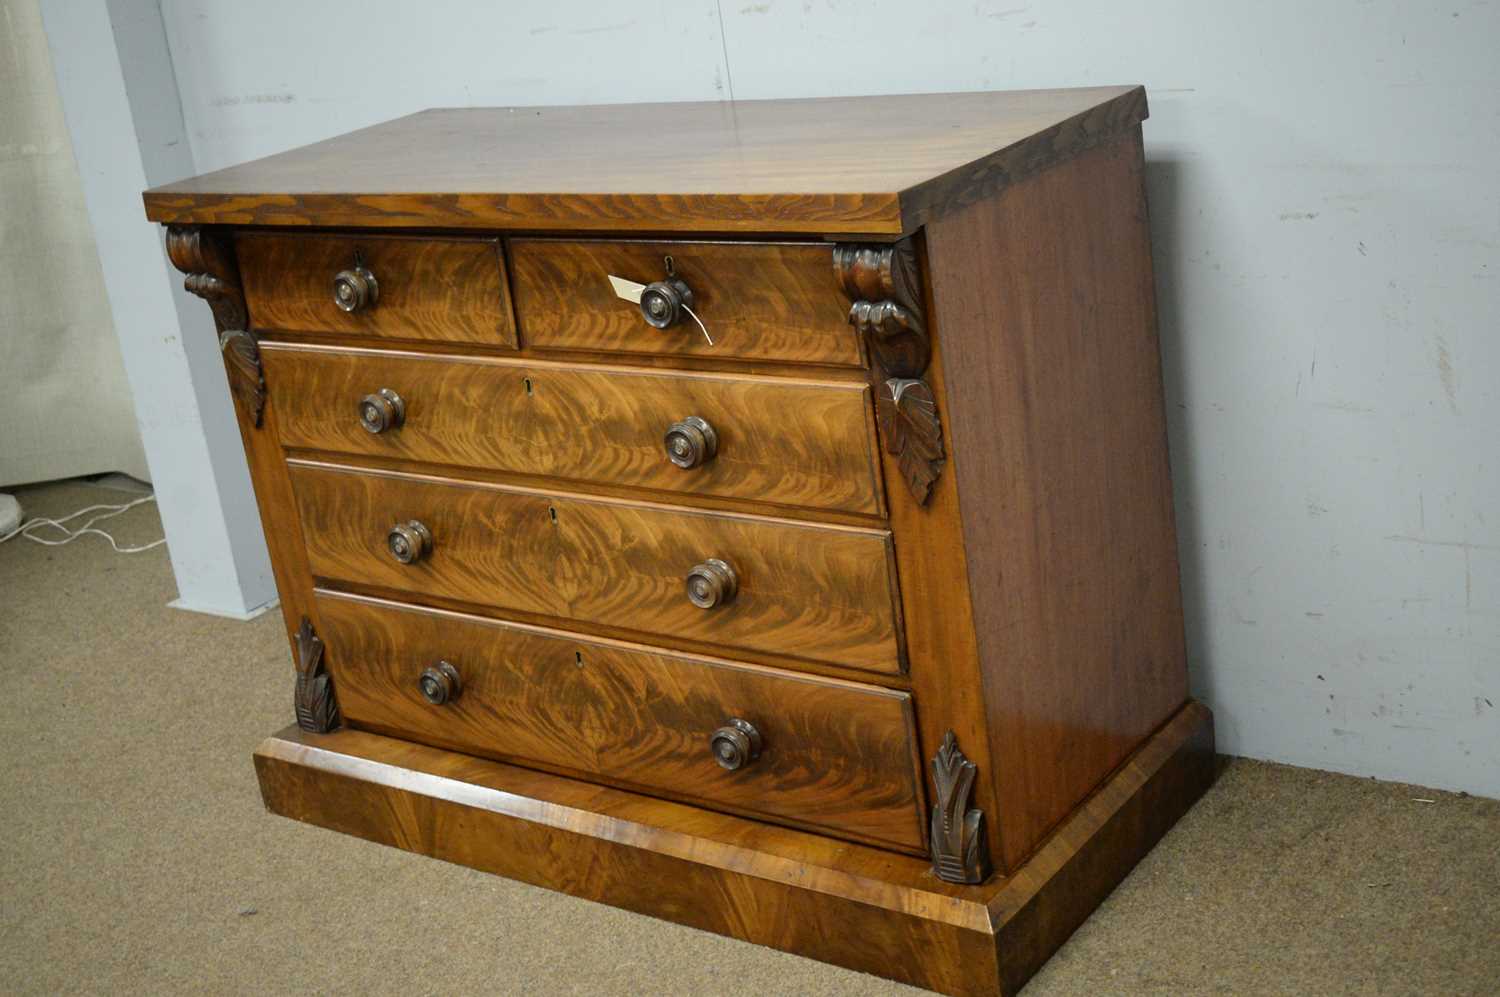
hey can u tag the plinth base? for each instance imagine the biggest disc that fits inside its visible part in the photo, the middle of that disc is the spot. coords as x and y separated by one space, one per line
847 904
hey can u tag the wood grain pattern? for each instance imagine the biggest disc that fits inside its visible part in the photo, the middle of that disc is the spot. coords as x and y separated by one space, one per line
791 442
759 301
821 593
837 755
941 645
852 905
429 288
1060 449
856 165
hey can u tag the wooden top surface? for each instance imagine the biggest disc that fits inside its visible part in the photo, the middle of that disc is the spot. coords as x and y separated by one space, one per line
835 166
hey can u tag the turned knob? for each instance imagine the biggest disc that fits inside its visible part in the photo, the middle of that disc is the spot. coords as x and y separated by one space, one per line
691 442
736 744
711 584
440 684
663 302
355 289
381 411
409 542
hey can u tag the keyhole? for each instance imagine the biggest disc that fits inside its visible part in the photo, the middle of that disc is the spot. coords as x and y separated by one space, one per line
552 511
578 658
527 382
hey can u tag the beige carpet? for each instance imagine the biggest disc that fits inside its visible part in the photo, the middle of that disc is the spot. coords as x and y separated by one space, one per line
136 857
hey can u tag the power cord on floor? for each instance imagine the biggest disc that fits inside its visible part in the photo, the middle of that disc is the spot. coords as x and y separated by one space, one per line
24 530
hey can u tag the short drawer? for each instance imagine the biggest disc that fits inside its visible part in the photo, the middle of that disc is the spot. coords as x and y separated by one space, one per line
831 755
818 593
390 287
776 440
757 301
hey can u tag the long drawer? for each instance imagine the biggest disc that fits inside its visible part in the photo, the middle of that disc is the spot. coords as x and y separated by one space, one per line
832 755
776 440
757 300
750 583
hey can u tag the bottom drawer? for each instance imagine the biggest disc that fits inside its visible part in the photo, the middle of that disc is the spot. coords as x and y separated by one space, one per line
823 753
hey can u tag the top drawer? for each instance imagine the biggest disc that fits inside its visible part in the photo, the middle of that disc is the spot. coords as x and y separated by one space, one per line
758 301
390 287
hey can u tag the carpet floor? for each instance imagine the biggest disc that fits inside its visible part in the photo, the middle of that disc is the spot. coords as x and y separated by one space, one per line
137 858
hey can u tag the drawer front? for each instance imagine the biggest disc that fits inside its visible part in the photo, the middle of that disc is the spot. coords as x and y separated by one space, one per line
837 756
794 443
819 593
451 290
758 301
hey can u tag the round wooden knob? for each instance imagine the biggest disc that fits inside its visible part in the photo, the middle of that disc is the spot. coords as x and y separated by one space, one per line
409 542
355 289
662 302
440 684
711 584
736 744
381 411
691 442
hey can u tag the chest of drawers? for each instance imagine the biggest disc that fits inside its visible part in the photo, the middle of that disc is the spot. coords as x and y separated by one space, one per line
755 515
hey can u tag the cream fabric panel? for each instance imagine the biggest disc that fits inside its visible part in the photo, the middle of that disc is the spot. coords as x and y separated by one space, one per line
65 407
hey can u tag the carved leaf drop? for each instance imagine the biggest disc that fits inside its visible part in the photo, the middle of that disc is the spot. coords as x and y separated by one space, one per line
912 433
247 382
960 853
317 709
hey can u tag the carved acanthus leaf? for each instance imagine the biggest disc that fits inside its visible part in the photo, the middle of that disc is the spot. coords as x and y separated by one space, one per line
317 708
960 853
207 258
884 285
247 382
912 433
886 306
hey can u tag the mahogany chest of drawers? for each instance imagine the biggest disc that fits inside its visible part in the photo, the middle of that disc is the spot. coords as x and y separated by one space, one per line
755 515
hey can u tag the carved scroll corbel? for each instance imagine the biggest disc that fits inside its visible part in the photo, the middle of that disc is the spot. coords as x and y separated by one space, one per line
960 852
317 708
207 259
883 284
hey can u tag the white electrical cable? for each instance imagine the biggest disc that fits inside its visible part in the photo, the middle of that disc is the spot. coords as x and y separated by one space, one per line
24 530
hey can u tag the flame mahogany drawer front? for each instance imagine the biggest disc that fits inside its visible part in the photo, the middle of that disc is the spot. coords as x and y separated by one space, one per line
390 287
757 301
816 752
764 587
772 440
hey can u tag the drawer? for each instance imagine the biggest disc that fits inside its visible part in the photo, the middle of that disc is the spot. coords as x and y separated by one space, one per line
794 443
819 593
758 301
450 290
836 756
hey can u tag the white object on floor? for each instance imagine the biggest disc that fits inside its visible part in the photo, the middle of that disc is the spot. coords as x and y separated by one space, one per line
68 536
10 514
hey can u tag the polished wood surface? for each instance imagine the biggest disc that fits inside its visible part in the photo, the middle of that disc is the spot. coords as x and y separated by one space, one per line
1060 452
816 592
836 755
942 652
864 908
784 441
758 301
877 165
429 289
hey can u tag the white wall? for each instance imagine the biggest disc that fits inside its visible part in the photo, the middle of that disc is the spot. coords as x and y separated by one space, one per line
119 95
1327 225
